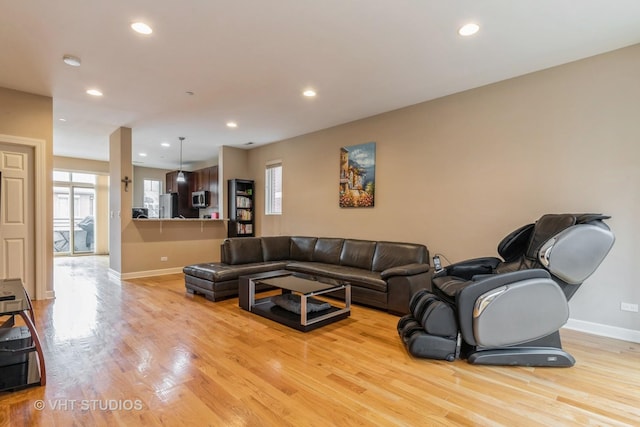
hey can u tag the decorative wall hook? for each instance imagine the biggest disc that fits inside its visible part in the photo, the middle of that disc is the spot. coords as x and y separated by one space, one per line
126 181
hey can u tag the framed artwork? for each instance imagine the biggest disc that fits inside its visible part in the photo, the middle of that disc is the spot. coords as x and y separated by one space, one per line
358 175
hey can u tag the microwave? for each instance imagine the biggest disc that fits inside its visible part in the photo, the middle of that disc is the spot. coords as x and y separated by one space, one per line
200 199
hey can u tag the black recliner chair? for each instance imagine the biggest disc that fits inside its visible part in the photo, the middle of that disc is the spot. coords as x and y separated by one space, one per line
508 311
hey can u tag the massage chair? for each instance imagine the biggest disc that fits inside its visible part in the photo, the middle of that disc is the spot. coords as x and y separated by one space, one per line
508 311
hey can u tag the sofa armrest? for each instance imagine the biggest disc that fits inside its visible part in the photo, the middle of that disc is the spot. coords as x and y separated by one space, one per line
400 289
405 270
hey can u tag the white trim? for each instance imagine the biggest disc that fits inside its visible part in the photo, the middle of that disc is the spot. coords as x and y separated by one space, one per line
114 275
273 162
148 273
604 330
40 217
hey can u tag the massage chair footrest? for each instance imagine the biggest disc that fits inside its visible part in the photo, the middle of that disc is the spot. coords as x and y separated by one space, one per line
430 330
423 345
522 356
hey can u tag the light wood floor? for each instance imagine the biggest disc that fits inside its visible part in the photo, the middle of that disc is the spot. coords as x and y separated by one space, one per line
182 360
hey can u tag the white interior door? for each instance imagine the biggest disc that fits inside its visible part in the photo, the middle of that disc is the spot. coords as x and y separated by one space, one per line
17 224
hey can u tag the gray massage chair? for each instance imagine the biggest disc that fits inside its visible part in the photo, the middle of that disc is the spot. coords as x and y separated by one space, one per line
508 311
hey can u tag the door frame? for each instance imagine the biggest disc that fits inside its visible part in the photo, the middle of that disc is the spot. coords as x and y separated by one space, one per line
42 265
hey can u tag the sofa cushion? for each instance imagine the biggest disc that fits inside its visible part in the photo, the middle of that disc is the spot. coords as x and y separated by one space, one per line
357 253
392 254
328 250
220 272
276 248
243 250
302 248
355 276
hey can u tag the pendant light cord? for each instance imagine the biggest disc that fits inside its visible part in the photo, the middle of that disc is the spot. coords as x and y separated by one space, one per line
181 138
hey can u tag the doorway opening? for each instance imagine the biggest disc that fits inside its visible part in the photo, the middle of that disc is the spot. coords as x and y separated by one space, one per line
74 207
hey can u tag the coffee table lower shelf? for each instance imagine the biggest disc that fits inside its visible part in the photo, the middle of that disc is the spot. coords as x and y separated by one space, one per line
265 308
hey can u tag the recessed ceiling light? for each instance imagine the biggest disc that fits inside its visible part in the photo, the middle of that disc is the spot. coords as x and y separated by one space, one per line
142 28
309 93
142 154
232 124
166 144
74 61
94 92
468 29
62 120
190 93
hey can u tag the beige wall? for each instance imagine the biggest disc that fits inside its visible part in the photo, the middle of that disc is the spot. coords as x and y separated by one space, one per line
120 201
460 172
81 165
31 116
233 164
182 242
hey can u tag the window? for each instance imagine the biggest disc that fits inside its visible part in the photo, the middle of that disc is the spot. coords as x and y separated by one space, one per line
273 189
151 197
85 178
61 176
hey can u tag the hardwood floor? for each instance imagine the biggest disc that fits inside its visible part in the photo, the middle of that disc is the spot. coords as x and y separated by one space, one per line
142 352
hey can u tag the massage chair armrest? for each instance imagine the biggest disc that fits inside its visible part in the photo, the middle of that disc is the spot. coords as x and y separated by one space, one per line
405 270
471 267
528 302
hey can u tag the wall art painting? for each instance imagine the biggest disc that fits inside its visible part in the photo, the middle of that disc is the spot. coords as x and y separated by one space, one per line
358 175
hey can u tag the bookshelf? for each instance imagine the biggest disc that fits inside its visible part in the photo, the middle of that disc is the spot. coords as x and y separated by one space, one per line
241 208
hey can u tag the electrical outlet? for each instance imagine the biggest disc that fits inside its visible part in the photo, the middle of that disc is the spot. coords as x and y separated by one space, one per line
625 306
164 258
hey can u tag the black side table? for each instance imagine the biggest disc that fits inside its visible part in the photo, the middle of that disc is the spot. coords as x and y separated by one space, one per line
17 344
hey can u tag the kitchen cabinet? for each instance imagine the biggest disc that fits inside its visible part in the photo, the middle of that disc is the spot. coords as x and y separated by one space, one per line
184 190
207 180
213 187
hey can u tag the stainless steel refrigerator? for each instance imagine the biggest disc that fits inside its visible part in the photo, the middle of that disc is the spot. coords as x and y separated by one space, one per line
169 205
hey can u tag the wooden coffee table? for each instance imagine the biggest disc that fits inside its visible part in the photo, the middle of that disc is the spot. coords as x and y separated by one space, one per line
304 286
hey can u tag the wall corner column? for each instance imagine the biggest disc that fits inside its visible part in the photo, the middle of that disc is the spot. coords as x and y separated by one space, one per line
120 200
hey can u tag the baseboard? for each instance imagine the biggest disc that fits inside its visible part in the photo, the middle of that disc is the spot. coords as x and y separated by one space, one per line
604 330
114 275
138 274
50 295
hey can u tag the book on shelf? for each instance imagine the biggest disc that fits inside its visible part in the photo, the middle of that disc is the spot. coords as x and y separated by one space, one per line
245 228
244 215
243 202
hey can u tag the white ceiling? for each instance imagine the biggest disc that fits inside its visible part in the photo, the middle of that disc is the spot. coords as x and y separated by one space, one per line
249 60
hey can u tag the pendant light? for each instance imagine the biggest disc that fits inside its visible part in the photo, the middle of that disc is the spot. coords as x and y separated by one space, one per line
180 173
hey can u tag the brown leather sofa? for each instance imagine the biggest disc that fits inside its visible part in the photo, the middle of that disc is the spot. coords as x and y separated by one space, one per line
383 275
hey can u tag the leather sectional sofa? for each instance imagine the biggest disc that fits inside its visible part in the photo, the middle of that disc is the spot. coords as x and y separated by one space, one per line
383 275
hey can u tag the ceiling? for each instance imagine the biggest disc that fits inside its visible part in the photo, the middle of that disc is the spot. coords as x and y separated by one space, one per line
248 61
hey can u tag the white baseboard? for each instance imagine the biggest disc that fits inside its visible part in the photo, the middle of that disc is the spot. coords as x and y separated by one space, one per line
114 275
138 274
604 330
50 295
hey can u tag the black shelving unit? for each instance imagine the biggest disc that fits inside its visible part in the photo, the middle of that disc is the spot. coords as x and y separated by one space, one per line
241 208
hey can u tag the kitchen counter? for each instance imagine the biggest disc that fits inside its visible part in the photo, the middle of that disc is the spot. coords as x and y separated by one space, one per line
182 224
180 219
